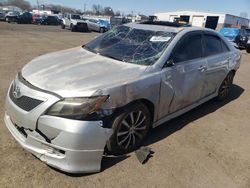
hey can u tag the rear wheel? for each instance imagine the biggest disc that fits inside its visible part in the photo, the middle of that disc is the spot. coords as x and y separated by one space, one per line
248 49
102 30
130 129
225 87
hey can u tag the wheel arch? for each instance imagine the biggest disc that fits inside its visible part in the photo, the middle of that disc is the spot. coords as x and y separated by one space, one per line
150 106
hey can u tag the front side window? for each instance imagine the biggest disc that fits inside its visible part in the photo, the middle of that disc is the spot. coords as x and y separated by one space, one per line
190 47
76 17
212 45
224 47
131 45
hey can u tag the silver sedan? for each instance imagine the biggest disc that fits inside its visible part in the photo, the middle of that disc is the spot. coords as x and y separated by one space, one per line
68 108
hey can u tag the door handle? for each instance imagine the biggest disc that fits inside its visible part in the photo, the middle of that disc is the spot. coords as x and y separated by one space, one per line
202 68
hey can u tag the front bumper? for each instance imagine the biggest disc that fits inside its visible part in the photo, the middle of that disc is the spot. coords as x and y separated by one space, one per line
81 27
69 145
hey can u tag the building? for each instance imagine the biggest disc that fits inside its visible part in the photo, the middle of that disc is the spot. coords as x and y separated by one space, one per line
35 11
205 19
10 8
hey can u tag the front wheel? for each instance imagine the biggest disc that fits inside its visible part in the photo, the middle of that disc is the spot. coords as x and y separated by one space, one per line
130 129
63 26
225 87
72 28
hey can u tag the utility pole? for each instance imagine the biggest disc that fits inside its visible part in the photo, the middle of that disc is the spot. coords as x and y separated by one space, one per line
84 7
38 6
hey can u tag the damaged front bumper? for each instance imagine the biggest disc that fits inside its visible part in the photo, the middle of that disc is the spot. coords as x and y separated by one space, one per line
78 148
72 146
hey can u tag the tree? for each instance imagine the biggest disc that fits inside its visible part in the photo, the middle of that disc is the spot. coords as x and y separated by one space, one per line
22 4
244 14
108 11
97 9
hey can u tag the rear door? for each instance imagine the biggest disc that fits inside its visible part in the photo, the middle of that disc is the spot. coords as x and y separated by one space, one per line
94 25
182 82
218 58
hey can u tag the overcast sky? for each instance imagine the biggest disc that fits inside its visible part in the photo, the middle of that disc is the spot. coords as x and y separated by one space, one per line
153 6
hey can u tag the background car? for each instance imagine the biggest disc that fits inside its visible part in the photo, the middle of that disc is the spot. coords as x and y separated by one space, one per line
48 20
12 16
98 25
36 17
119 20
2 16
235 35
248 42
23 18
74 22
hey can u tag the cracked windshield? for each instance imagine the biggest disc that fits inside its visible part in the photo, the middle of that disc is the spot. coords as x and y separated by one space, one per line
131 45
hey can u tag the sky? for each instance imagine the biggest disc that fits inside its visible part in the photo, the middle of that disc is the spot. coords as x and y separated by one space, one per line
149 7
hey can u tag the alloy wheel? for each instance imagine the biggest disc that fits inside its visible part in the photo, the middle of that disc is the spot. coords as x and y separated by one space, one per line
226 85
132 130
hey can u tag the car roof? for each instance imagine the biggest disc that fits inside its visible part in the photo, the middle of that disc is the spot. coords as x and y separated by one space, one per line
166 26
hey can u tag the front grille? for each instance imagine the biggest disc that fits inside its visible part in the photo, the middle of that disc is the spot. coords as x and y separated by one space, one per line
81 24
24 102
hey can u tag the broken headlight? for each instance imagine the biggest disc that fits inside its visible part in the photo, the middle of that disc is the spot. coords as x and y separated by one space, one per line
76 108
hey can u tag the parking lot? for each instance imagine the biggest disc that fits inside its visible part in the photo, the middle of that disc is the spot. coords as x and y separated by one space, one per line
206 147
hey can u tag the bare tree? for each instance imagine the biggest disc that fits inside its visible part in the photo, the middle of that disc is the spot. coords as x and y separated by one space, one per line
108 11
97 9
22 4
244 14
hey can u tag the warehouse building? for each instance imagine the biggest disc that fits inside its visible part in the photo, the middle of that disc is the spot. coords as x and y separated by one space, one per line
205 19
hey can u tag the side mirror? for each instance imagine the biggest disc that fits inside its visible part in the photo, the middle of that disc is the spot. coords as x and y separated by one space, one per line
170 63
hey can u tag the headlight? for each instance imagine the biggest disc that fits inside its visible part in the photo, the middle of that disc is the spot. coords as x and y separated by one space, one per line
76 108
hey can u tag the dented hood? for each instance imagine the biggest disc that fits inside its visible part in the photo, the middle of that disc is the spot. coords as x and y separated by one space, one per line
77 72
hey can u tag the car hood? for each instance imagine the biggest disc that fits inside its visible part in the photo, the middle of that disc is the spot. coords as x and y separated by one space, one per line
77 21
78 72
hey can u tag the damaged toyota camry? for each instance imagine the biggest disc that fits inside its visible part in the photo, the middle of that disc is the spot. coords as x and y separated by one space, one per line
70 108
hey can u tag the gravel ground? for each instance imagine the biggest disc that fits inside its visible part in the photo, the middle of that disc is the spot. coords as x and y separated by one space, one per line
206 147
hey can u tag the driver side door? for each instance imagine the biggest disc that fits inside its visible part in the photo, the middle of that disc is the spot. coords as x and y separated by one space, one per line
183 76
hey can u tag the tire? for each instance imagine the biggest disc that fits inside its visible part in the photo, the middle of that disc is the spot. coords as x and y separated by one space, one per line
225 87
130 128
72 28
102 30
248 49
63 26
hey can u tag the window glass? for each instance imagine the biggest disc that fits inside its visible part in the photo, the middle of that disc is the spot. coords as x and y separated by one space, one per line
212 45
189 48
224 46
131 45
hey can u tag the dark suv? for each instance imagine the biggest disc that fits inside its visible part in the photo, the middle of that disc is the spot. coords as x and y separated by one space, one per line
235 35
24 18
248 42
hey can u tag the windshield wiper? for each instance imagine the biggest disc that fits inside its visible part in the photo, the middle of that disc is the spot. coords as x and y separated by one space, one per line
112 57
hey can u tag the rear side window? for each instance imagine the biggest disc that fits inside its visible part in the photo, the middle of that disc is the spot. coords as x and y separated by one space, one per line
212 45
190 47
